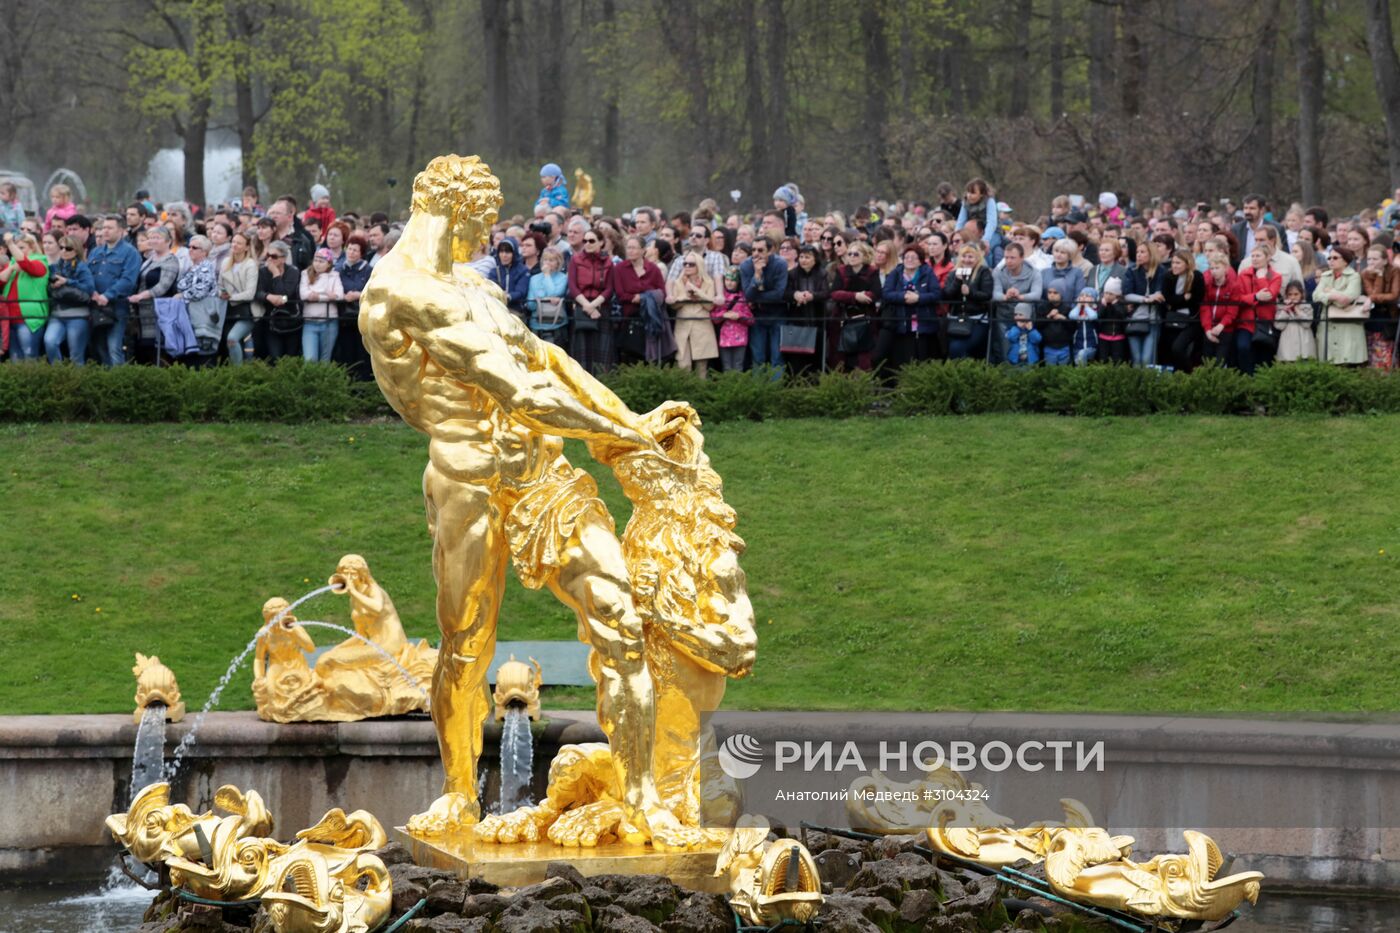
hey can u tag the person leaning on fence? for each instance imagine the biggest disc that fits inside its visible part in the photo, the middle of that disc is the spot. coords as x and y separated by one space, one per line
968 296
691 298
855 294
807 297
1342 334
1380 284
1084 315
591 290
1022 339
734 318
159 272
549 319
238 286
1183 290
1016 286
199 287
70 300
279 292
1056 329
1220 310
908 311
763 277
1294 321
1113 323
321 293
1259 290
24 281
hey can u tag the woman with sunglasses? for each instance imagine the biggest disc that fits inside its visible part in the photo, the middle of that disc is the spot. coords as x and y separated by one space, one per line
591 291
279 290
70 290
692 296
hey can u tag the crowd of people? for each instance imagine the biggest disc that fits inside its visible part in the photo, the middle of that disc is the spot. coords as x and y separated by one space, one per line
784 291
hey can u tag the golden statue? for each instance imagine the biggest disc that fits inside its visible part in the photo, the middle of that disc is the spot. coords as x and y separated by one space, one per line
518 683
770 881
154 830
1080 866
155 683
352 680
583 191
495 402
328 881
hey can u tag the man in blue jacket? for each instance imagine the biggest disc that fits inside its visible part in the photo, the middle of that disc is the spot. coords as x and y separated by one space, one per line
115 266
763 277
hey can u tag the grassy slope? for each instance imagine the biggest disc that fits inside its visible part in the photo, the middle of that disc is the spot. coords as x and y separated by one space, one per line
1174 564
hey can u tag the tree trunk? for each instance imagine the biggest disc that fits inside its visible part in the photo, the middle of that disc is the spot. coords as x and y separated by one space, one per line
1057 60
241 29
551 85
495 33
1381 43
876 109
1262 96
1310 65
1103 41
612 142
777 152
1134 62
755 115
196 133
1020 85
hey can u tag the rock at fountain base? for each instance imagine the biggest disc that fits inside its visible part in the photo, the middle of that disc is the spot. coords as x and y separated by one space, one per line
528 863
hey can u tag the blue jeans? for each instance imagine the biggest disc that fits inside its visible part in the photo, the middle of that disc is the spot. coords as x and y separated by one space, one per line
1143 347
1244 351
24 343
974 344
318 340
765 341
1055 356
238 331
74 331
109 338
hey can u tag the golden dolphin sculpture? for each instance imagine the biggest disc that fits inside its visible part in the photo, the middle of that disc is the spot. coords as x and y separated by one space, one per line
1185 887
770 881
327 881
155 683
154 830
517 682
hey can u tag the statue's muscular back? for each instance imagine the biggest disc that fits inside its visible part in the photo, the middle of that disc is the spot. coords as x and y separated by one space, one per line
470 438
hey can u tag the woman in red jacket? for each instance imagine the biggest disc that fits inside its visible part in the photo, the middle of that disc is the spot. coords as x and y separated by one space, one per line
1221 311
1259 288
591 291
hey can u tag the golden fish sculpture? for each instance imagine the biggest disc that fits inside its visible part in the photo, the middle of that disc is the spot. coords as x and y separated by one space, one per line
155 830
1082 868
327 881
518 683
770 881
155 683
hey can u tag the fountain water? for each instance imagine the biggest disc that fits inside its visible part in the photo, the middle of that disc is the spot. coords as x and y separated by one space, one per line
148 757
517 759
223 170
187 743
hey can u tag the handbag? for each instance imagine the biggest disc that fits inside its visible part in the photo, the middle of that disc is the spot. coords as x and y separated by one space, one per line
632 336
959 326
284 320
1140 324
797 338
1178 319
855 335
1265 336
549 312
98 316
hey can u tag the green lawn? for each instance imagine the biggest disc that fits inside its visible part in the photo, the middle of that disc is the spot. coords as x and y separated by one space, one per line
1029 563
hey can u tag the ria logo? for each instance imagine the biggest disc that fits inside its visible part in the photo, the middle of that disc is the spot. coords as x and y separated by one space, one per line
740 756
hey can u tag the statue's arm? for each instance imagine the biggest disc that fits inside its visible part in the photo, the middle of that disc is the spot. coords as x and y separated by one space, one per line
553 397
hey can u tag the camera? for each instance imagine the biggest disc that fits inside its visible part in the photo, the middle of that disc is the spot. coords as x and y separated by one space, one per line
542 227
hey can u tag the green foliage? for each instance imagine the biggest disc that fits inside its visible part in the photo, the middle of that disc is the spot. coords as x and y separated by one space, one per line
296 391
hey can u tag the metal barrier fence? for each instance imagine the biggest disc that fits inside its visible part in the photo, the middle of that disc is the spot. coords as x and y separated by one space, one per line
830 322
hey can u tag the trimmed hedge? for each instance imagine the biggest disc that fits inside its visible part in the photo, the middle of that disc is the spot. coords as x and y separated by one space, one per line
294 391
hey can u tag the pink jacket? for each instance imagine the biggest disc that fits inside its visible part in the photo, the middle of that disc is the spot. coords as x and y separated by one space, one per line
733 333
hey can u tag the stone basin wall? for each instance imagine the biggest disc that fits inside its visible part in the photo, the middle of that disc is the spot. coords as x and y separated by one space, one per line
60 776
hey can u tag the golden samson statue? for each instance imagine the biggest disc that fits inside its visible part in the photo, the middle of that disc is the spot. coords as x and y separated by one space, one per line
664 610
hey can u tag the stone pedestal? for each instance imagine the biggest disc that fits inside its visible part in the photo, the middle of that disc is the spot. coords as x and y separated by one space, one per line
523 864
